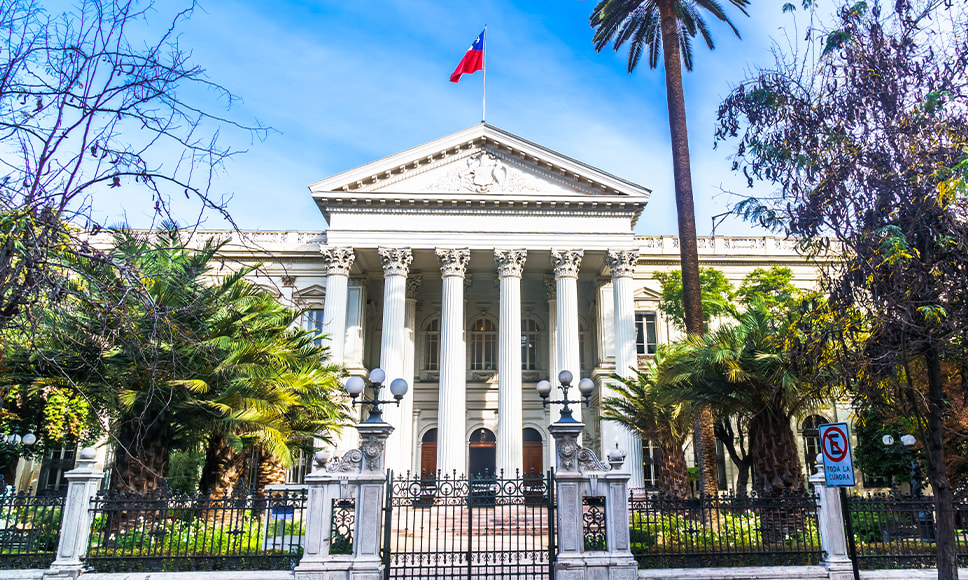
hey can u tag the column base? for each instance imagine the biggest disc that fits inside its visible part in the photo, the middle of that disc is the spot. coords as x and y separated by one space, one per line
839 570
64 572
342 569
589 567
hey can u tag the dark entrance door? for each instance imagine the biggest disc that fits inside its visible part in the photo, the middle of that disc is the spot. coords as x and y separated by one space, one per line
482 452
428 454
533 454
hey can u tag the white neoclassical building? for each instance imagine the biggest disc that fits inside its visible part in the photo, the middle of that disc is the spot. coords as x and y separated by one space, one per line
474 266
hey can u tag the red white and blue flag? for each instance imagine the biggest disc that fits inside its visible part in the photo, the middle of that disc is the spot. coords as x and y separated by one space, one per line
473 60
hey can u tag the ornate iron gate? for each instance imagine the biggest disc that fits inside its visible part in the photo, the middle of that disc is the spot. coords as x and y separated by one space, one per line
479 527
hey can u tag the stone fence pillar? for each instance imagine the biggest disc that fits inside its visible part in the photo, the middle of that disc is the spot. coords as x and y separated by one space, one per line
359 476
830 523
82 484
593 516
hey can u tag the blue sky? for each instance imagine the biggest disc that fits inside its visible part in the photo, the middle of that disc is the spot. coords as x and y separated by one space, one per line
345 83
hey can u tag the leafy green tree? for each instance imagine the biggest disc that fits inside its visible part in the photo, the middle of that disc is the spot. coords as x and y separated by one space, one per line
669 26
867 145
651 409
771 285
717 295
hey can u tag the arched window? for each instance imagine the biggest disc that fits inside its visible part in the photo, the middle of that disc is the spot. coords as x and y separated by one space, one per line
432 345
483 345
529 344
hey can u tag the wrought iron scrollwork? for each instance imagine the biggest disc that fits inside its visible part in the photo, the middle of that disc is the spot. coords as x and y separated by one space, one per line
344 519
593 523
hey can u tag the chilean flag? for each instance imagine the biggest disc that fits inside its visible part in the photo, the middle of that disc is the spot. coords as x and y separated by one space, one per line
473 60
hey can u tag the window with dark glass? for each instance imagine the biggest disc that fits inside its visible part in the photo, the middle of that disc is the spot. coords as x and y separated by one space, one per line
646 337
529 344
313 322
432 345
483 333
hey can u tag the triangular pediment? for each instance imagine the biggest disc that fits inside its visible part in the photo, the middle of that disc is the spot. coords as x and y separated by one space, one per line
481 161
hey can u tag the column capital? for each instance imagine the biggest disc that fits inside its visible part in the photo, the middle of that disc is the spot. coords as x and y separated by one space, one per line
510 262
566 262
621 262
338 259
549 286
414 285
396 261
453 261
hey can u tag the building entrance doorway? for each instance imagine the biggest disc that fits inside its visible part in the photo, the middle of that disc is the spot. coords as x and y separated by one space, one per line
428 454
482 452
533 460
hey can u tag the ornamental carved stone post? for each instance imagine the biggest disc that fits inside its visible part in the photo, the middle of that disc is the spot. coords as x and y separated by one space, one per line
358 476
588 491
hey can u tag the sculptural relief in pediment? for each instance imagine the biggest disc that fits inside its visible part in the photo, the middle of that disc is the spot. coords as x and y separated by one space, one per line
482 172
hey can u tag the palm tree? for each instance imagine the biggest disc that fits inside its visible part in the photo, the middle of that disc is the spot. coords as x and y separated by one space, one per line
745 370
670 25
275 390
647 406
172 357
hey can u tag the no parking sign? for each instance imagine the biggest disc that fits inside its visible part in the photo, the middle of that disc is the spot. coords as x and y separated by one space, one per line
838 465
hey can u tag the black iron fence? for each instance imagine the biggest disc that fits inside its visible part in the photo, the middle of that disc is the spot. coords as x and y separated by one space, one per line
481 526
726 530
892 530
166 532
29 529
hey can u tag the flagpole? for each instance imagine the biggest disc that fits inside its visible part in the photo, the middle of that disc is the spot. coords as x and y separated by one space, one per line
484 76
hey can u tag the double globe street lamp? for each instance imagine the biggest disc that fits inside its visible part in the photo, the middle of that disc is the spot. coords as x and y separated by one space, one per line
355 386
585 387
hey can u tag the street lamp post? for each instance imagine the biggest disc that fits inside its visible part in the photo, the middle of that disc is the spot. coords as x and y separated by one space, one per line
11 443
585 387
355 386
905 447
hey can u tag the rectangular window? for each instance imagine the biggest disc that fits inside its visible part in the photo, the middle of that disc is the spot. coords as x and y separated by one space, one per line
57 462
646 337
650 455
313 321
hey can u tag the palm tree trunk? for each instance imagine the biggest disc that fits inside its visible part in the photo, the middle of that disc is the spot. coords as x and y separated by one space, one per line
703 436
773 447
271 472
141 459
671 474
222 468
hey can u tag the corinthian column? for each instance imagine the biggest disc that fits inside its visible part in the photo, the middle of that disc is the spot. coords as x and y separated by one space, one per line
452 401
510 452
414 284
622 264
396 264
566 264
338 262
